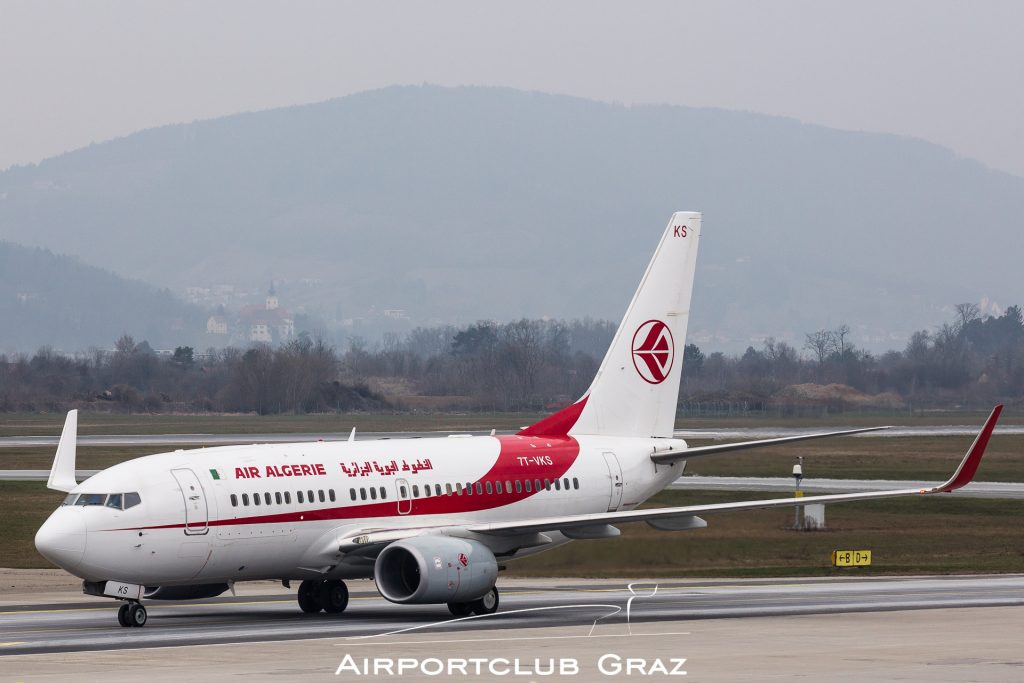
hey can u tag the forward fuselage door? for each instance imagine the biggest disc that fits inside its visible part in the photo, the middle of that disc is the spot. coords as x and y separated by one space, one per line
614 481
197 514
404 497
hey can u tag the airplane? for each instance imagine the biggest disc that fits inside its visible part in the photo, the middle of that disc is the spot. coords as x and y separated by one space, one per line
430 520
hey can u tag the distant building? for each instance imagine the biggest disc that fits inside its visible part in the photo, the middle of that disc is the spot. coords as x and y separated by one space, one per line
217 324
270 324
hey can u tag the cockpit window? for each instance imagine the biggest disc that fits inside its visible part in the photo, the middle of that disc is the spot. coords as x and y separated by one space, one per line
91 499
116 501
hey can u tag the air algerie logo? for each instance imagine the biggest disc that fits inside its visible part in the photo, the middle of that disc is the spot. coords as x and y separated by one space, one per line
653 351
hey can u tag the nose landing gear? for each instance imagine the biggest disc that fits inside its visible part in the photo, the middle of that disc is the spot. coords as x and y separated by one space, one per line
132 614
329 596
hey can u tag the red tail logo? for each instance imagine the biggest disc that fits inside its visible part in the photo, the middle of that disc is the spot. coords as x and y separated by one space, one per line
653 351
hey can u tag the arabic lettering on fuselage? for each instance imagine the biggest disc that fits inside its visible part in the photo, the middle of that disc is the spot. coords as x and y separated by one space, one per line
366 468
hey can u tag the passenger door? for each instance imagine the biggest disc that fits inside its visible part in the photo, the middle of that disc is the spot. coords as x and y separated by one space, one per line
197 515
615 481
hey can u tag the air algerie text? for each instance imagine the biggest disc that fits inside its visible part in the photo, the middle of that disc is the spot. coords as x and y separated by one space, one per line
281 471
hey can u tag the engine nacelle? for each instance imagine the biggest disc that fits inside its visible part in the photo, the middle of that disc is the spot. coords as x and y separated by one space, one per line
435 569
197 592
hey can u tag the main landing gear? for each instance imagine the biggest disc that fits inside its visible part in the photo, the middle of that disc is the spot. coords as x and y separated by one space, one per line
329 596
487 604
132 614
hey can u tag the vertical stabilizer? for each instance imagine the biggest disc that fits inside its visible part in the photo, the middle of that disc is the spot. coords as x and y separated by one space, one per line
636 389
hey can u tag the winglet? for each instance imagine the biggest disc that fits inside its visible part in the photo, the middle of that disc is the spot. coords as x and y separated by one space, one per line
969 465
62 474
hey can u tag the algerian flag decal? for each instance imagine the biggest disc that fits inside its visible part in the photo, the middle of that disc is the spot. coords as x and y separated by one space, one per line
215 474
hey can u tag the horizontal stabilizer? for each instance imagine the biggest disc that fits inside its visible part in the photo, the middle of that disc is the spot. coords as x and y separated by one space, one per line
700 451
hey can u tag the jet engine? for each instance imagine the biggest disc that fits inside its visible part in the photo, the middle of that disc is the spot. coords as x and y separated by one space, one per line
435 569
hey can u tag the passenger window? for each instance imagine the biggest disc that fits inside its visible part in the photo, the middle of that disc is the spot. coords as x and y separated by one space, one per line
536 485
547 484
529 489
558 484
330 494
448 489
266 497
383 493
479 488
362 494
508 486
288 497
458 488
352 494
565 483
575 483
403 492
278 498
490 489
245 499
310 497
234 500
298 496
114 501
437 489
373 493
322 499
255 499
519 486
415 490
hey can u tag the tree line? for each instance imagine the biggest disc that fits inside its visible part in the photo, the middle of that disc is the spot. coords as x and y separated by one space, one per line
524 365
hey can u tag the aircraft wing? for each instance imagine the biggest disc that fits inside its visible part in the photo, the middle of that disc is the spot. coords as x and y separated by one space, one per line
963 475
368 538
700 451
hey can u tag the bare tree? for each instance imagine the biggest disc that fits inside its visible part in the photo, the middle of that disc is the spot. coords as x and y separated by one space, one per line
819 343
966 314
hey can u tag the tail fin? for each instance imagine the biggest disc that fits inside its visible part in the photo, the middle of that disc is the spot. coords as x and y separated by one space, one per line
637 387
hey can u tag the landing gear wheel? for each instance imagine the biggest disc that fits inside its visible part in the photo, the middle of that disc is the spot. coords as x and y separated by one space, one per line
460 609
333 596
308 600
122 614
487 604
137 614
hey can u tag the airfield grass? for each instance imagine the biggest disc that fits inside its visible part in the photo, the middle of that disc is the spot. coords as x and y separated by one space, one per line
935 535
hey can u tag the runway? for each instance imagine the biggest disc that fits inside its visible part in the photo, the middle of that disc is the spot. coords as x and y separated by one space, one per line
270 613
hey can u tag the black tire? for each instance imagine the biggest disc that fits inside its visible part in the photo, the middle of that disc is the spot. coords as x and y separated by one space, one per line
333 596
460 609
487 604
122 615
137 615
309 602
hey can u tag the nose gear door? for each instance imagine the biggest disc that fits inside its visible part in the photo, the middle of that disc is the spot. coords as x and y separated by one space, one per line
197 514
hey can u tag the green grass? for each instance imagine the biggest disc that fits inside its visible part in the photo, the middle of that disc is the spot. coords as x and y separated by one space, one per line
26 505
937 535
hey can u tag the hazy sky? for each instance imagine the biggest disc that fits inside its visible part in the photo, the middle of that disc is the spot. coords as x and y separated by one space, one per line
951 72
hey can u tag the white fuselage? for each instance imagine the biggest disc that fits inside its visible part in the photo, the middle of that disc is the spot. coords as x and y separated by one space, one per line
199 521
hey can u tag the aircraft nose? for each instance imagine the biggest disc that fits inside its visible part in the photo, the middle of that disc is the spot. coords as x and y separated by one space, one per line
61 539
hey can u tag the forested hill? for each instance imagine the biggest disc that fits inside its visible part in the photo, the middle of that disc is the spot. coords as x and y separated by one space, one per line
57 301
468 203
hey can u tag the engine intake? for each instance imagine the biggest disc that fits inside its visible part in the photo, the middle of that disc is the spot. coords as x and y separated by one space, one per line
435 569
